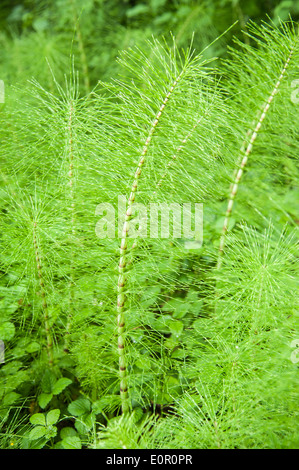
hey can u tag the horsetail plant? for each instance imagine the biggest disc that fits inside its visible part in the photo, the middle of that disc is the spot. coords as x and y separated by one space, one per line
123 249
66 111
169 60
150 362
70 151
32 222
290 42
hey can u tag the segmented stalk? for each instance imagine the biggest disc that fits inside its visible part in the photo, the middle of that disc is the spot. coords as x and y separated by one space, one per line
240 170
121 298
72 229
39 269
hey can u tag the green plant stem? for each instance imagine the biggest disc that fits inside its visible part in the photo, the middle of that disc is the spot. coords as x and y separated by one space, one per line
122 279
72 229
240 170
44 300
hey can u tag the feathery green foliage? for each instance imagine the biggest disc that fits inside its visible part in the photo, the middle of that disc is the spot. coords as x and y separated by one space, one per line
137 339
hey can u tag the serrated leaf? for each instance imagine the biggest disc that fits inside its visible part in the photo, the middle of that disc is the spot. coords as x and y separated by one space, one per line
10 398
48 381
81 427
79 407
52 417
67 432
60 385
37 433
85 423
38 419
44 399
71 442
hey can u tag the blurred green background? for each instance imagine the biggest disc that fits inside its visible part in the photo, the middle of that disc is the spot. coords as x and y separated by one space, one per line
35 32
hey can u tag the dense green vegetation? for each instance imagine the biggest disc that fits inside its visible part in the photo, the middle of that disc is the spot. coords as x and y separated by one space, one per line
153 341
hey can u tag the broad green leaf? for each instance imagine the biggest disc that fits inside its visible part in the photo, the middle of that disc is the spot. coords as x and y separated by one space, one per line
66 362
81 427
71 442
178 306
85 423
97 407
60 385
48 381
52 417
150 296
44 399
38 419
33 347
40 24
171 388
161 323
164 18
10 398
37 433
58 445
67 432
79 407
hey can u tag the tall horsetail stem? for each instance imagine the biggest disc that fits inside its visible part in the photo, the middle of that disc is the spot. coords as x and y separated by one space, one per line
240 170
72 229
122 279
39 269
